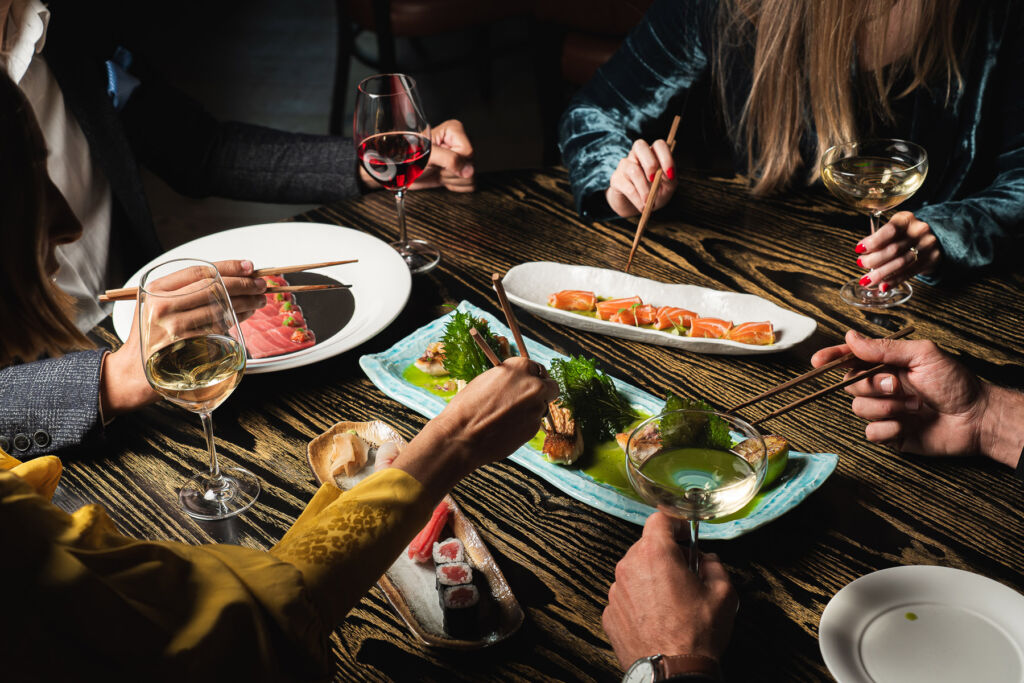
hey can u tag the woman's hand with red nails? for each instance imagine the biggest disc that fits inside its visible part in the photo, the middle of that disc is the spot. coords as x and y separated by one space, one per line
887 253
631 182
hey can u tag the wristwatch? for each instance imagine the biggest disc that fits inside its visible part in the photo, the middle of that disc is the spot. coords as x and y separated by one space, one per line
672 668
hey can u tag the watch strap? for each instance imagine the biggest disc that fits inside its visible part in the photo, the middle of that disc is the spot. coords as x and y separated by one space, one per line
682 667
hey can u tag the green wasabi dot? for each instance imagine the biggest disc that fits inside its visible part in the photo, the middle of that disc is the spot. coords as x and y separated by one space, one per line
910 616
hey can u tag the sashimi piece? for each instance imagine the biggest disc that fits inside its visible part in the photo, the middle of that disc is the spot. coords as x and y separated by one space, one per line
753 333
422 547
606 309
712 328
573 300
625 316
279 326
670 316
644 314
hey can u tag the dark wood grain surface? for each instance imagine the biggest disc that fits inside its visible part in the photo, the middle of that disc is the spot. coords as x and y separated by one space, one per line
879 508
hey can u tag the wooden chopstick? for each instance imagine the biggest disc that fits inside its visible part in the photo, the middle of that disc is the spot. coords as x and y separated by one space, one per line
509 317
129 293
488 351
846 358
651 196
821 392
283 270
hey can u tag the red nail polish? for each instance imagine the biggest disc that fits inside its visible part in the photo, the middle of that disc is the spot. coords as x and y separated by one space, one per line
651 178
866 280
884 287
670 173
860 262
860 249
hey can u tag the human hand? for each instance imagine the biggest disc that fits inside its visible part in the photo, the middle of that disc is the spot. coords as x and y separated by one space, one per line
631 182
451 160
123 383
888 252
492 416
658 606
930 404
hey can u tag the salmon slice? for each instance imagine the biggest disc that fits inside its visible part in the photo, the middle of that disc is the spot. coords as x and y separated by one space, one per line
753 333
670 316
606 309
626 316
573 300
712 328
645 314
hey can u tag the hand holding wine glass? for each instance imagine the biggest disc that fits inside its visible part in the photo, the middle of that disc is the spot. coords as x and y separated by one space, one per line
393 143
193 355
902 248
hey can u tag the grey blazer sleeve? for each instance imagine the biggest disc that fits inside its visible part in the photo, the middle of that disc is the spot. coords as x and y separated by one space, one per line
50 404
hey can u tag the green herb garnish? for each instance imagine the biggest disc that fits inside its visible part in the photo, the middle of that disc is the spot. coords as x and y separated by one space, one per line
680 431
463 359
590 395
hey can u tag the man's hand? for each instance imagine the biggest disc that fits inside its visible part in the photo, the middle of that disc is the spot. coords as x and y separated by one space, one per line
451 160
658 606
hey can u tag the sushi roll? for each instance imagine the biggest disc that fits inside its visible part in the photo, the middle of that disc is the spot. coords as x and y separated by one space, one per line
453 574
449 550
460 606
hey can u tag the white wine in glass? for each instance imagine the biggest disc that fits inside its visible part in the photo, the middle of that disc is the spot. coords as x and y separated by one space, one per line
874 176
675 465
194 356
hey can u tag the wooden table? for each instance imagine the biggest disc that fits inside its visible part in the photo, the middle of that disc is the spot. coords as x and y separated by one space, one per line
879 509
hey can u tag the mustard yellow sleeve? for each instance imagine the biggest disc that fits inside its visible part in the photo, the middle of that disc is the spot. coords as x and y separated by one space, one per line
344 541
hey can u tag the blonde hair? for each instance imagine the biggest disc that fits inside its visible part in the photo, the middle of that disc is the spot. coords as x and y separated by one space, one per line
803 52
34 312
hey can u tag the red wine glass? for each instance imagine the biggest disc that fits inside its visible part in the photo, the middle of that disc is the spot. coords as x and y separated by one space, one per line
392 139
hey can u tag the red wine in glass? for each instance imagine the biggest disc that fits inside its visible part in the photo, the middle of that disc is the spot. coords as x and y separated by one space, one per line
395 160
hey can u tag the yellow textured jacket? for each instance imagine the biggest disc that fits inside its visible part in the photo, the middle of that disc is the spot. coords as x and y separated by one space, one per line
82 599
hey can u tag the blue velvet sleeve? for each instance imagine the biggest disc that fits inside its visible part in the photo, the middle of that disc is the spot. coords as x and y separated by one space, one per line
986 228
660 59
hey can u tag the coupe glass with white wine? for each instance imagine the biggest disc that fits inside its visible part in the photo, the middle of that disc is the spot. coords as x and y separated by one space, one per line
194 356
874 176
696 465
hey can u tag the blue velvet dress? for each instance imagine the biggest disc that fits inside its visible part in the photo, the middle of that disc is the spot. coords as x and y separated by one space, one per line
973 197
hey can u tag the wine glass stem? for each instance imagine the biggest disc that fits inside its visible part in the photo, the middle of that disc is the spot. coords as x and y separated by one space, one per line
694 550
876 221
400 205
207 419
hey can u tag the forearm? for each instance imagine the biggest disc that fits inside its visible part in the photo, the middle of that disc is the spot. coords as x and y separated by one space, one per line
1002 428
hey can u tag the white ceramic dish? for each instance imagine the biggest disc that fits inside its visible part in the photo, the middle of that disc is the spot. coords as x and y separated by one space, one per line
921 624
529 285
380 280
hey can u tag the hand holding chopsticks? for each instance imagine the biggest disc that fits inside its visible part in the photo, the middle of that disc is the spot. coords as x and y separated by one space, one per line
128 293
651 197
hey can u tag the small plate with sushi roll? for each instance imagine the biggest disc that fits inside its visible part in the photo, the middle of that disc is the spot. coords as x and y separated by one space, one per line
446 585
682 316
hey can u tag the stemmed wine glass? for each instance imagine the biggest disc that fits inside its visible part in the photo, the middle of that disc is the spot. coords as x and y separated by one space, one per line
392 139
675 467
194 356
874 176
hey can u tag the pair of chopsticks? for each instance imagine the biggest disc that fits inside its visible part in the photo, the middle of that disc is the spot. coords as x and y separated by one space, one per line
814 373
651 196
127 293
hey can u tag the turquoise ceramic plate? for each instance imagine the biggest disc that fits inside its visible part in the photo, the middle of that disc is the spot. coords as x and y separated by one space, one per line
804 472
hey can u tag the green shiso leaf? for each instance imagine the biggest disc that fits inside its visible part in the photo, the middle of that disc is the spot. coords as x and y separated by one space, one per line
679 431
599 409
463 359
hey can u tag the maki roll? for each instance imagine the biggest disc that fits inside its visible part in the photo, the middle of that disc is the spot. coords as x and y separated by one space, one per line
460 606
453 574
449 550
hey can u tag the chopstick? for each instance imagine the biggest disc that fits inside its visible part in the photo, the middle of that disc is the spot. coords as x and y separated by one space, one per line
821 392
846 358
651 196
129 293
126 293
488 351
509 317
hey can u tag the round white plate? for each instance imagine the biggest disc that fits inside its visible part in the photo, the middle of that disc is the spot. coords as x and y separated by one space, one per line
380 280
924 624
529 285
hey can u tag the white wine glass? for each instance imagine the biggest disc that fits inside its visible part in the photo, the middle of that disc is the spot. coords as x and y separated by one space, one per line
874 176
690 465
194 356
392 139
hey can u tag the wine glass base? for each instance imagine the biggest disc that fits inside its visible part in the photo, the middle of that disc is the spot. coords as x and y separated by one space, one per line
236 490
421 256
854 294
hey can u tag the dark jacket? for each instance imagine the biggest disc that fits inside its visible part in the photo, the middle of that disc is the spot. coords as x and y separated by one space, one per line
973 198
